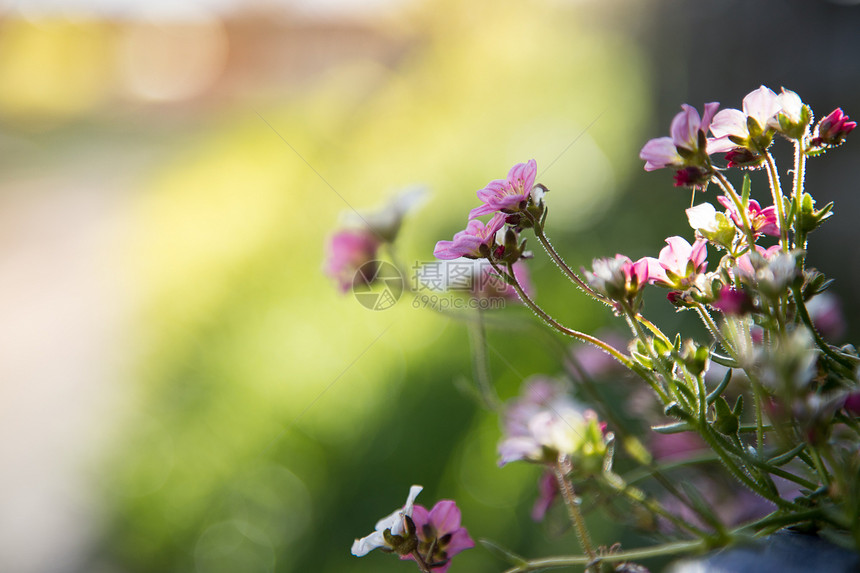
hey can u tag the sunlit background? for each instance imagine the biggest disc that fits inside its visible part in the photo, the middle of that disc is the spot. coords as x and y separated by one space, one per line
181 389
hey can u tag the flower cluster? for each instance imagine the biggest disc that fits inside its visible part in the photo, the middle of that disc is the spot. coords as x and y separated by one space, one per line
743 136
766 394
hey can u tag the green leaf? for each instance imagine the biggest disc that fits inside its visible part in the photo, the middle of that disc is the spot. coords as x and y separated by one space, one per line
722 386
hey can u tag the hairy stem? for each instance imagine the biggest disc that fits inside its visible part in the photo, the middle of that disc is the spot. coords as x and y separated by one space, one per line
778 199
573 511
511 279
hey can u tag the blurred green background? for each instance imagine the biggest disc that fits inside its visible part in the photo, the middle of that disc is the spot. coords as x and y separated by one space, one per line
182 388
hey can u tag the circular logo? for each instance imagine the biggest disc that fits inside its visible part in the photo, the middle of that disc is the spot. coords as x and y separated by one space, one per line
377 285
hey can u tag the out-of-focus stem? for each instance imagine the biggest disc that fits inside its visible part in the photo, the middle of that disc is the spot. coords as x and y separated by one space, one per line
481 364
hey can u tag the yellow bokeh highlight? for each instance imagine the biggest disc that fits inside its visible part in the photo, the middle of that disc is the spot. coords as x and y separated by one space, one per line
52 69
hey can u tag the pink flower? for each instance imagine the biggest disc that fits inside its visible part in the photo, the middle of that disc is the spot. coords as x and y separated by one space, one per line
510 194
678 446
826 314
763 221
744 266
832 129
679 263
733 302
686 125
618 279
440 530
547 494
760 105
348 250
473 243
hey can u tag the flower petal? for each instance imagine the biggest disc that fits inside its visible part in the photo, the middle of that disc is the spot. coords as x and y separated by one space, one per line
729 122
761 105
363 546
658 153
445 517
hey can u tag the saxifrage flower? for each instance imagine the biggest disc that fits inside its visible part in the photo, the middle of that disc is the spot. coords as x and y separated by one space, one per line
510 194
475 242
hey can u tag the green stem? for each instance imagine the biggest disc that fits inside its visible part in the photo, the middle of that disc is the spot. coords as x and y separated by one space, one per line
637 331
624 434
553 254
707 433
759 418
632 555
422 564
509 277
778 199
729 190
638 497
653 328
573 511
847 364
715 331
819 465
799 175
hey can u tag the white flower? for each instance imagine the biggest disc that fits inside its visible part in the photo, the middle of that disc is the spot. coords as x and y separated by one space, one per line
790 105
703 217
395 522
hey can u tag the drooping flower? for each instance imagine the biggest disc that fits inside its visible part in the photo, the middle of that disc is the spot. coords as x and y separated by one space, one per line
475 242
687 149
510 194
760 106
348 250
763 221
439 530
394 524
619 278
679 263
747 134
831 130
